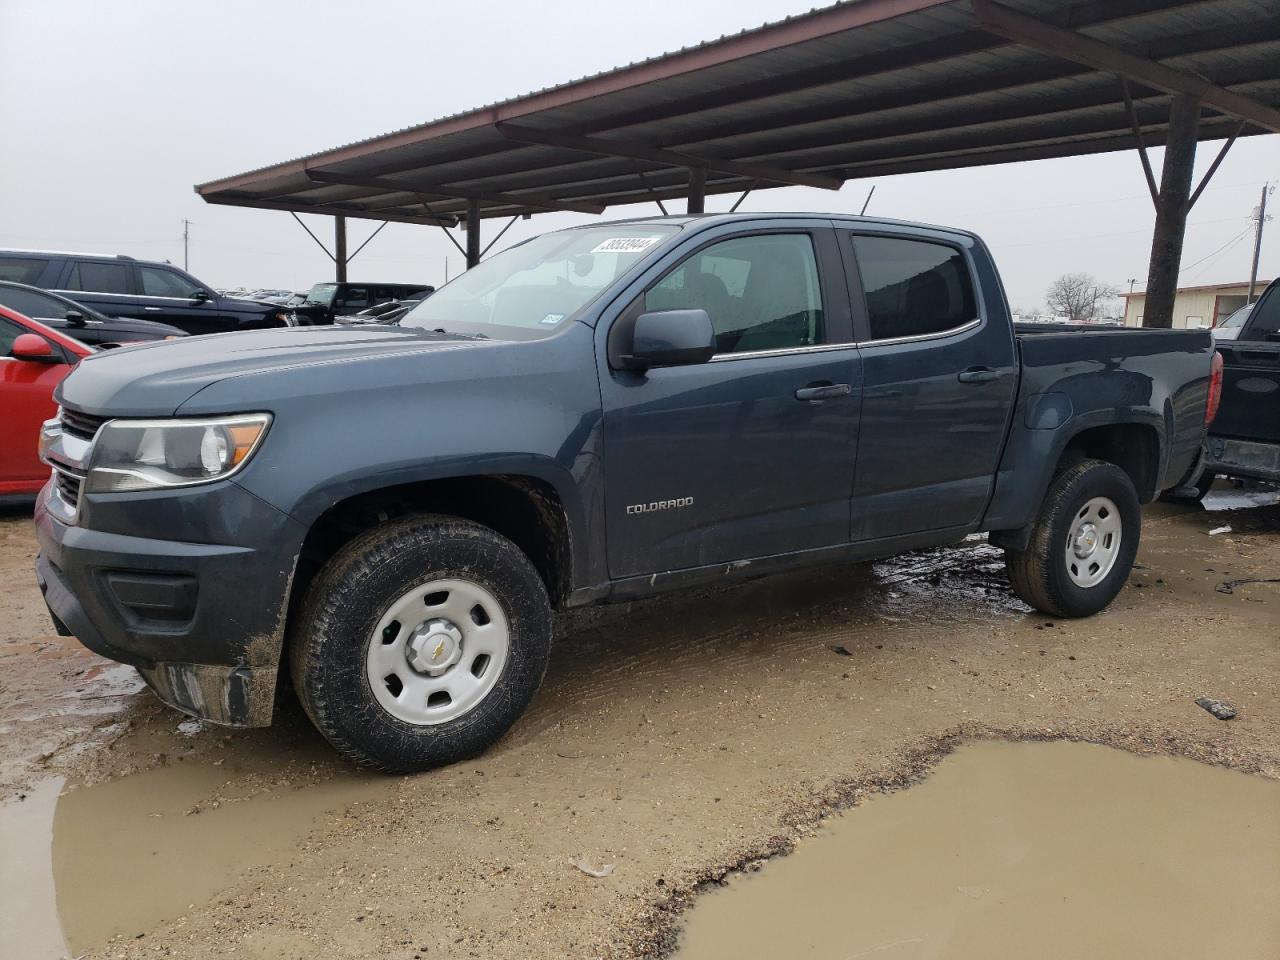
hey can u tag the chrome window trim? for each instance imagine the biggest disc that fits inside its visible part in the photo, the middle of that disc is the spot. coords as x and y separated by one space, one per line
853 344
70 294
782 351
916 338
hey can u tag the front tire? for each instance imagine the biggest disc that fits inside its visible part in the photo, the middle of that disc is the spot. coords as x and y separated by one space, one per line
1083 542
420 643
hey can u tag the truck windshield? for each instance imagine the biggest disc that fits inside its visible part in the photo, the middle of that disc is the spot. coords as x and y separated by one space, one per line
528 291
322 294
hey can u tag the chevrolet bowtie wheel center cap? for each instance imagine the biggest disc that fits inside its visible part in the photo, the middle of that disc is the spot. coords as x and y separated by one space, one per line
1086 540
434 647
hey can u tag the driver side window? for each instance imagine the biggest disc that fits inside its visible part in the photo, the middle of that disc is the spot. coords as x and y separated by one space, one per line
760 292
163 283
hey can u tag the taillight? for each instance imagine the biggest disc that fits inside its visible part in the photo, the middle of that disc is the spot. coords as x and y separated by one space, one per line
1215 388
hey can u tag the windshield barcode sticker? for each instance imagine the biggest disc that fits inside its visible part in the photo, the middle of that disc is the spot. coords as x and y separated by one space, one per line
626 245
551 318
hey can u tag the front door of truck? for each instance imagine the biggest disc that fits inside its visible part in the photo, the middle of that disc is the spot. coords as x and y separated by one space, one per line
939 379
732 459
1250 408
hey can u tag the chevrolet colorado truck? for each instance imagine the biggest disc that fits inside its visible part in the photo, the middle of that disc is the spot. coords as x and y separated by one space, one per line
393 514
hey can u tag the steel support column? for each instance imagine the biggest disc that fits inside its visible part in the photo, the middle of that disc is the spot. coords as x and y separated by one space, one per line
340 249
697 190
473 232
1171 211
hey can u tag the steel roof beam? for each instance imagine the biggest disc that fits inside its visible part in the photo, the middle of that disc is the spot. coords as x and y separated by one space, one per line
329 209
639 151
1078 48
449 192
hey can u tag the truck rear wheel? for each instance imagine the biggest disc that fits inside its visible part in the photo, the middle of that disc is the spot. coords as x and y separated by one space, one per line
420 643
1083 543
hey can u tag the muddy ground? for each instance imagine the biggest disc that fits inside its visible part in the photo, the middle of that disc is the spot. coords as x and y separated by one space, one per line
674 738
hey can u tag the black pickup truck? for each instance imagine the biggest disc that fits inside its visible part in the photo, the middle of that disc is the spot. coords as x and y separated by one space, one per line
1244 440
596 414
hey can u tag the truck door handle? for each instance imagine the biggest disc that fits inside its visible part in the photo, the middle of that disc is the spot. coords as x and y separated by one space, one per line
817 392
979 375
151 308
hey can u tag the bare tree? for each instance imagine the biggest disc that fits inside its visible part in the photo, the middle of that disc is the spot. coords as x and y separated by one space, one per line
1079 296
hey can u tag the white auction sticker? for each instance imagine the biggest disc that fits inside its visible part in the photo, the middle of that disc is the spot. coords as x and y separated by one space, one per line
626 245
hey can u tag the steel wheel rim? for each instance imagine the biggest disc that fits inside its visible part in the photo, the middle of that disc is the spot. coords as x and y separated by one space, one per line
1093 542
437 651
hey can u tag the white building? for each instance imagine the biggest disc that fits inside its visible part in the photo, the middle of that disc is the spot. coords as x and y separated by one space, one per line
1205 306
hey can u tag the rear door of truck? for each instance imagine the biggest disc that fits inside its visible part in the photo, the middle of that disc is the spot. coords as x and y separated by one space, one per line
1250 408
940 375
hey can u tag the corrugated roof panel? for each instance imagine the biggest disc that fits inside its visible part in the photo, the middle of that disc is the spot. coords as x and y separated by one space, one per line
879 86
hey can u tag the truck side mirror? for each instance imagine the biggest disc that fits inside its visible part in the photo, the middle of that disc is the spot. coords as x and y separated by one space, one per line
200 295
74 318
33 348
668 338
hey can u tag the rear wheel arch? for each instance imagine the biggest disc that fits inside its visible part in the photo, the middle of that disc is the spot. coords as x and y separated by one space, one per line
1133 447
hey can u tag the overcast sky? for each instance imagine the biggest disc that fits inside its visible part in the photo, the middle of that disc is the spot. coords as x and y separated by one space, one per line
111 111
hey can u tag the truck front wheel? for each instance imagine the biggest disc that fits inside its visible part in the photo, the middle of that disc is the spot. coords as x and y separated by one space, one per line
1083 542
420 643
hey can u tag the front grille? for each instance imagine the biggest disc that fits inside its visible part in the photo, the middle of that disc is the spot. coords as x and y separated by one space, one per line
82 425
68 488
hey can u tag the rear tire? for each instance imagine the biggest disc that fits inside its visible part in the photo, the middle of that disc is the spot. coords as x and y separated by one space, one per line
389 602
1083 542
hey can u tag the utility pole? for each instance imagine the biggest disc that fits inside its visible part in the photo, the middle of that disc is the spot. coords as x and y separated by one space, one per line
186 234
1257 239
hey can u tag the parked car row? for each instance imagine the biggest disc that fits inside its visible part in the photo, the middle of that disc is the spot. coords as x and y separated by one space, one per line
325 302
124 287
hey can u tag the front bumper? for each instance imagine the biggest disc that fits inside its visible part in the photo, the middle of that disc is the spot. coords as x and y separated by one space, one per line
203 618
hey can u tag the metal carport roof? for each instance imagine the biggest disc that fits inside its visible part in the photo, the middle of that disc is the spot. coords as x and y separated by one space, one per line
861 89
857 90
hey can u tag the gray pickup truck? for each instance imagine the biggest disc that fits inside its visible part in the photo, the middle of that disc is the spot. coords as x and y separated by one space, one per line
596 414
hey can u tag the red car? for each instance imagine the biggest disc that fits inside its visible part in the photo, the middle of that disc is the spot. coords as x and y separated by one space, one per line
33 360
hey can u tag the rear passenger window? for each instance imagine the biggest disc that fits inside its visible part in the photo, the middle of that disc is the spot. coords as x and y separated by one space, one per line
97 277
760 292
913 287
21 269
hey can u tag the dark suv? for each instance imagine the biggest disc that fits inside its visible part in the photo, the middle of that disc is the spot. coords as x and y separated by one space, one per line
325 301
121 286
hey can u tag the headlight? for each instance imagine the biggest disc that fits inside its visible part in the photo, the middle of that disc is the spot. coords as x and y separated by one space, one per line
154 454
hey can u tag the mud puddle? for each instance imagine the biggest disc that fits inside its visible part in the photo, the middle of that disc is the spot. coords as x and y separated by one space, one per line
1021 850
131 853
